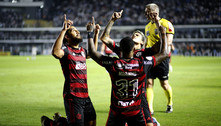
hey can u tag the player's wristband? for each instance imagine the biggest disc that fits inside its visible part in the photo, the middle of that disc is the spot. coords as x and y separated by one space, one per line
90 34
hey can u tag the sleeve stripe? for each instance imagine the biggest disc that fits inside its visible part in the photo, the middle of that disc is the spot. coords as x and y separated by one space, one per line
154 61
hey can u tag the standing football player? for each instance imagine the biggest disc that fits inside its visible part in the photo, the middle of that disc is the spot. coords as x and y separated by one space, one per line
128 79
78 106
162 70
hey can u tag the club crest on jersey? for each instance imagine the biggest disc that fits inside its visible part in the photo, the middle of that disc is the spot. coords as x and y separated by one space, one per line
82 53
138 54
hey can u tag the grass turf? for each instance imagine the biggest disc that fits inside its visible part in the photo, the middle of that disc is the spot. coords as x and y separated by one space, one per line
32 88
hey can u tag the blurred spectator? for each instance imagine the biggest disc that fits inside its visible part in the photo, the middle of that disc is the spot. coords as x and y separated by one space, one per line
178 12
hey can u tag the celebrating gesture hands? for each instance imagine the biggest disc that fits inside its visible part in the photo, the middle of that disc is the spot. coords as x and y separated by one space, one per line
97 28
67 23
116 15
90 26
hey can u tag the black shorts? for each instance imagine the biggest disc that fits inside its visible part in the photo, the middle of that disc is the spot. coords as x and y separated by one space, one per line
79 110
116 119
160 71
146 110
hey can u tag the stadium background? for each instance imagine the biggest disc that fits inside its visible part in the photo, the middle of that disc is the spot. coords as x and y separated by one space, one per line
31 88
29 24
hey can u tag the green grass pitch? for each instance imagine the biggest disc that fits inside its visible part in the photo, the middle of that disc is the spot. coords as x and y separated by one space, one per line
32 88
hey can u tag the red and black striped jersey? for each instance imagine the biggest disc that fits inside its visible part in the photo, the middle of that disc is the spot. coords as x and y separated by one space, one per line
74 68
128 80
137 53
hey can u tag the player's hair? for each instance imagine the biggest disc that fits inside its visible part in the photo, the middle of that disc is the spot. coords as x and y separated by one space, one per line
153 6
127 44
143 37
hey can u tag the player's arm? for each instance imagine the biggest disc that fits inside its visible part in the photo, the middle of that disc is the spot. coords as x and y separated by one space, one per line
57 52
172 47
96 34
102 48
105 37
96 56
164 51
170 41
156 47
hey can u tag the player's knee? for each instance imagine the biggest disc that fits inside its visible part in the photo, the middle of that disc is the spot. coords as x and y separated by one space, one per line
164 84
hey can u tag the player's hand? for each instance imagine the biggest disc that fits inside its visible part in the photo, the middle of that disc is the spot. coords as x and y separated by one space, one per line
97 28
90 26
155 19
67 23
116 15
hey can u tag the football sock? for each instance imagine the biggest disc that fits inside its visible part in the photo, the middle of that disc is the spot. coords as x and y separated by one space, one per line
150 98
168 94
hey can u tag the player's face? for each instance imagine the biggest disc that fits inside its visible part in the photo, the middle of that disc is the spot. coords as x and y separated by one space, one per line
137 38
74 33
74 36
149 13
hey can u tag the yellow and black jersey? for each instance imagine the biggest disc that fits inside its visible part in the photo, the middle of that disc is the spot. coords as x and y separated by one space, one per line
151 31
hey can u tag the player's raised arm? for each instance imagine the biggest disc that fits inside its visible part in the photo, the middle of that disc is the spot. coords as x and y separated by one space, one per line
168 36
57 52
96 35
96 32
105 37
96 56
97 29
164 52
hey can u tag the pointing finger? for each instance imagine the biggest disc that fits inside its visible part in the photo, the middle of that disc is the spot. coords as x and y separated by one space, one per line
121 11
93 21
65 17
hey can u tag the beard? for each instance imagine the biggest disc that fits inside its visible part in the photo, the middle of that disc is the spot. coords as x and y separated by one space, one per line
77 40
